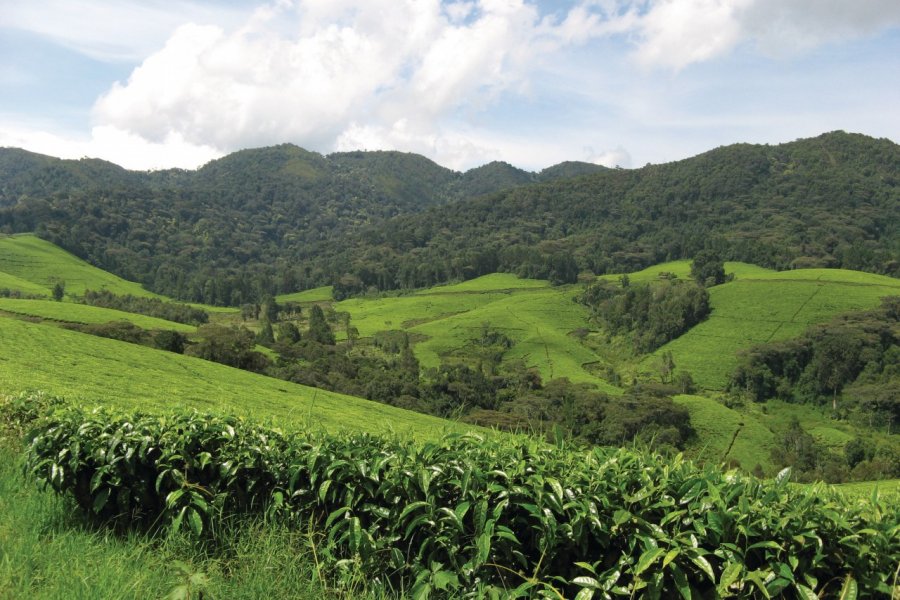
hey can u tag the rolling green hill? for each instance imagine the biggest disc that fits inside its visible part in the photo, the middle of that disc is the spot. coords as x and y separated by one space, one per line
32 259
99 371
281 219
68 312
760 307
537 318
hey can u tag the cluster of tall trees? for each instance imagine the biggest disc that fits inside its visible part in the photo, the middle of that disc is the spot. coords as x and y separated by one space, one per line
650 313
282 219
851 363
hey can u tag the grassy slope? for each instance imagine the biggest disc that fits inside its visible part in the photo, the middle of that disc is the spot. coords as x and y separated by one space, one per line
763 307
82 313
682 269
538 318
11 282
42 263
101 371
724 434
320 294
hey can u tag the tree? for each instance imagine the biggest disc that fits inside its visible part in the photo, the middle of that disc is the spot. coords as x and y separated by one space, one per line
708 268
666 367
59 289
319 329
266 335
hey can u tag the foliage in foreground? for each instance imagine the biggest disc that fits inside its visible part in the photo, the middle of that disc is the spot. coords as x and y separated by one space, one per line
469 515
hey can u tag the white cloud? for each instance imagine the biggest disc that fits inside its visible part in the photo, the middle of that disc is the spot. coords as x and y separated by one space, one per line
416 75
109 143
676 33
322 72
124 30
617 157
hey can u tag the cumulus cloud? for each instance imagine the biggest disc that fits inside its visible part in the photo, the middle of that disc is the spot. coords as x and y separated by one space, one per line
676 33
120 31
110 143
325 72
413 75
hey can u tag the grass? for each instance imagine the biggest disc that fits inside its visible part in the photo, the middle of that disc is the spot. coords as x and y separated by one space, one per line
495 282
96 371
319 294
81 313
764 308
682 269
724 434
47 552
40 262
539 319
11 282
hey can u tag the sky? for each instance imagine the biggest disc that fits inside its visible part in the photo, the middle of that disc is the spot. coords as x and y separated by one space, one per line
149 84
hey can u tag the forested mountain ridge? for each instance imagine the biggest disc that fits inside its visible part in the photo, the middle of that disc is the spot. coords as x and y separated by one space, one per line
280 219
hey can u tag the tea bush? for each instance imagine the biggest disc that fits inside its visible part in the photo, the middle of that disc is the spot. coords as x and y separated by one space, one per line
480 516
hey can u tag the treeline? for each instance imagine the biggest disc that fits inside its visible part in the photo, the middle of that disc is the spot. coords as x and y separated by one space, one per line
651 314
851 363
862 459
281 219
153 307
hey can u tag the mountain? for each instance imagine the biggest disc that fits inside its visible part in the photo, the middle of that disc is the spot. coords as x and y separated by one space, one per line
280 219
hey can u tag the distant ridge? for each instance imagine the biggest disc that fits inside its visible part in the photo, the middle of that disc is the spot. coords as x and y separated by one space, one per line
282 219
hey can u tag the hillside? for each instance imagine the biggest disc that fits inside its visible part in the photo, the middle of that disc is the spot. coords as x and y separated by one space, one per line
98 371
281 219
41 264
761 306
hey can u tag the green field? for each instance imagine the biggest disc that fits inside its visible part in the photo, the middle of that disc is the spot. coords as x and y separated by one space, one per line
13 283
319 294
33 259
682 270
68 312
768 307
539 319
495 282
99 371
725 435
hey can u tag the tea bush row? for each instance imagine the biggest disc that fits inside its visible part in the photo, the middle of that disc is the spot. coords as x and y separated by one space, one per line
479 516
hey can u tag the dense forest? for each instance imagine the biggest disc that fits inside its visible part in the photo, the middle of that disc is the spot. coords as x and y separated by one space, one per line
281 219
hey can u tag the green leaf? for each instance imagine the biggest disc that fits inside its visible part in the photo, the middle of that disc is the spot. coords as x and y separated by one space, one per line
588 582
412 507
585 594
484 548
323 489
194 521
681 581
335 515
849 589
445 580
100 500
621 516
647 559
804 592
730 574
670 556
704 565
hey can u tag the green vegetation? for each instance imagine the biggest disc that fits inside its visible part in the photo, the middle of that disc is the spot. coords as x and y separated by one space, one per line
16 285
765 308
319 294
33 259
81 313
278 220
726 436
120 375
494 516
50 552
